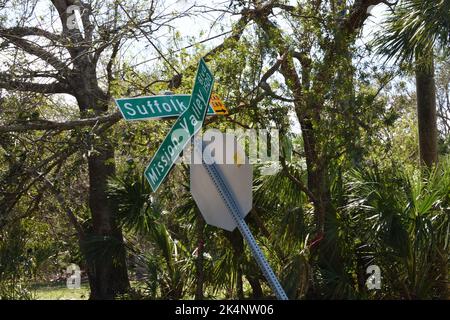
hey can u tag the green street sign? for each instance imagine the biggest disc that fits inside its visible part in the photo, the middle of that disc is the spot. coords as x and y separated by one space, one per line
155 107
185 127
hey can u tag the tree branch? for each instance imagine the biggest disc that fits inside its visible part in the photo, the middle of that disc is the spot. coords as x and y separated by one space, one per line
35 50
297 182
263 82
31 31
288 70
236 34
7 82
359 14
62 202
109 67
68 125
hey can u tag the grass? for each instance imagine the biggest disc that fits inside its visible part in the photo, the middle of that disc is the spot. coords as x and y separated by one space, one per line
59 291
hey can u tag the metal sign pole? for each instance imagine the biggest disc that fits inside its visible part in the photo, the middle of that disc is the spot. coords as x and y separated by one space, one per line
228 198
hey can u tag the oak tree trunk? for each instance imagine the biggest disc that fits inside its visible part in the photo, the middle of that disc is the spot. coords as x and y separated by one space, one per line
108 276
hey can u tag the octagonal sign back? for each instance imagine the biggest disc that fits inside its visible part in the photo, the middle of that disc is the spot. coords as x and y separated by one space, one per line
236 171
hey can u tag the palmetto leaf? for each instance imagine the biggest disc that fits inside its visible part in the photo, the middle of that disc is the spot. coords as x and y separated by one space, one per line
137 210
415 29
278 192
404 220
100 248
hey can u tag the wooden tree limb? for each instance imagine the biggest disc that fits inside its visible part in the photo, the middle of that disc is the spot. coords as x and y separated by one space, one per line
109 66
266 86
359 13
288 70
297 182
31 31
35 50
62 203
236 34
9 83
67 125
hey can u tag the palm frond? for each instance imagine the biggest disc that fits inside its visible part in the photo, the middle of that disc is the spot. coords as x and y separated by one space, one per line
403 217
137 209
415 28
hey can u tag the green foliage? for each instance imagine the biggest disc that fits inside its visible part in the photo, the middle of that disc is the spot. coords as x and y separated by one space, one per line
415 29
14 264
361 121
139 213
136 208
403 220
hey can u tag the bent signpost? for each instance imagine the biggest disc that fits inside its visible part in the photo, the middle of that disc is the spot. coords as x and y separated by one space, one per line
229 198
189 122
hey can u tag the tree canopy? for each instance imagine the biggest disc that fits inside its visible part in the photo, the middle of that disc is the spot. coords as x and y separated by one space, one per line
362 180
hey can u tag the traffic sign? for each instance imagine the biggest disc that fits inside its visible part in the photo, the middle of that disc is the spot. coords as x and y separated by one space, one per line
238 174
225 194
184 128
217 105
163 106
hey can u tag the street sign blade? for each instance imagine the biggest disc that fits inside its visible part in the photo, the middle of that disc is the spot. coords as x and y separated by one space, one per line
184 128
163 106
152 107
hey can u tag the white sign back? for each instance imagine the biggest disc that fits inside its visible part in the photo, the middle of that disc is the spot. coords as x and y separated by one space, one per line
224 150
